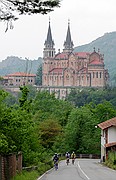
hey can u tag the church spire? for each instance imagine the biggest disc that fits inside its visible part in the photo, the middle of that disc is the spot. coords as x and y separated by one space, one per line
68 44
49 50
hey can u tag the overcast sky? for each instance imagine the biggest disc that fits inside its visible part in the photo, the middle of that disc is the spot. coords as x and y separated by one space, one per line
89 19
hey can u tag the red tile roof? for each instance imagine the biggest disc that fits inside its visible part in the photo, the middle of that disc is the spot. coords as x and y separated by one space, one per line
82 54
21 74
57 70
62 56
97 62
108 123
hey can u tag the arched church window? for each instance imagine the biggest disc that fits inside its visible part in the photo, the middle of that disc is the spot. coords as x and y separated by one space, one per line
100 74
67 77
96 74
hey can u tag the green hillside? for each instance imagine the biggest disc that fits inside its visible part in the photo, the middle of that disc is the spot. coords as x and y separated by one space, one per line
107 46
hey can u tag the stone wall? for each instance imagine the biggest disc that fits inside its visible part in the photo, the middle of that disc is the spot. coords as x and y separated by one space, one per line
9 165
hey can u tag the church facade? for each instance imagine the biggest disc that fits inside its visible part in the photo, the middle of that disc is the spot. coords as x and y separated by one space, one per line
72 69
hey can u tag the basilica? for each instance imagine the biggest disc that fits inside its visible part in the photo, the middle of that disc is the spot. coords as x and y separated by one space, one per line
69 68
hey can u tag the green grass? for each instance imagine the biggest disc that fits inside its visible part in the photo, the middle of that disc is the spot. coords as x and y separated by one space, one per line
33 175
111 161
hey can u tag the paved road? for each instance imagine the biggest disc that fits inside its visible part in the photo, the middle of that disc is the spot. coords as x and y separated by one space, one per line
84 169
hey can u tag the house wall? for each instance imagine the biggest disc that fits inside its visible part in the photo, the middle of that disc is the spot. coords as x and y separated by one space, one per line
20 80
110 139
112 134
102 145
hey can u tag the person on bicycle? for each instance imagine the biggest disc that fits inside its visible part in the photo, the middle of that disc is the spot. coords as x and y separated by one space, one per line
73 156
67 155
56 159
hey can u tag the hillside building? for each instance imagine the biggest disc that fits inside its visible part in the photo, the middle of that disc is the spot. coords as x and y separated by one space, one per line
71 69
19 79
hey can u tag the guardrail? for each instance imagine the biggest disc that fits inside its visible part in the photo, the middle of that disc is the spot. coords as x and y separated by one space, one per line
88 156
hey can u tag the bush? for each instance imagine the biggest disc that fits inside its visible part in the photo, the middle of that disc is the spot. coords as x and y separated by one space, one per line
111 161
43 167
33 175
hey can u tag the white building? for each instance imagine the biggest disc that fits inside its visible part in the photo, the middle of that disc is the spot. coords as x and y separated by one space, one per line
108 137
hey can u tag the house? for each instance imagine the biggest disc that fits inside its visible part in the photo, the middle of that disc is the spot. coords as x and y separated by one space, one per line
19 79
108 137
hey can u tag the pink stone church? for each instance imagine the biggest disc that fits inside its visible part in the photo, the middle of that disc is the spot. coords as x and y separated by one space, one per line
72 69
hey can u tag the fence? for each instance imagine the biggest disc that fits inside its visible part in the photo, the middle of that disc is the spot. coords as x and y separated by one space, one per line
89 156
9 165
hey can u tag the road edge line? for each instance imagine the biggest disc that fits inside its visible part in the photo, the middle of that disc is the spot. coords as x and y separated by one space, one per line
82 171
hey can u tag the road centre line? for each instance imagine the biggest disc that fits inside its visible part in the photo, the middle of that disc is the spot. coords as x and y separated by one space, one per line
82 171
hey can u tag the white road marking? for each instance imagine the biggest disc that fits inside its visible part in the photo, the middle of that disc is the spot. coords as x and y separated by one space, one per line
82 171
45 173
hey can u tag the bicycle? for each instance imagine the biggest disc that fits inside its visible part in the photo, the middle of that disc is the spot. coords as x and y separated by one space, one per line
67 161
56 165
73 160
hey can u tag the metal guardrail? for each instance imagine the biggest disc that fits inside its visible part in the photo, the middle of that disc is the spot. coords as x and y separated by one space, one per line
88 156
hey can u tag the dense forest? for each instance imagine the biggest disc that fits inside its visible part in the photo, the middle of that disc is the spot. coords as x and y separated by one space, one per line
38 124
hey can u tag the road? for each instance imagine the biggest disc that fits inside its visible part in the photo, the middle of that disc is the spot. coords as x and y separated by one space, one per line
83 169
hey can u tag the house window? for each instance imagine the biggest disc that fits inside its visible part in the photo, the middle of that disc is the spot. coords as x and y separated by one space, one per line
63 92
106 136
93 74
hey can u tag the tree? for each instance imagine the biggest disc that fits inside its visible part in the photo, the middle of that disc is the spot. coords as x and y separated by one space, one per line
80 133
8 7
39 75
49 130
97 96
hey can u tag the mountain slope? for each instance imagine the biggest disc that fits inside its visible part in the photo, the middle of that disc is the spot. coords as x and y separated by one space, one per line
15 64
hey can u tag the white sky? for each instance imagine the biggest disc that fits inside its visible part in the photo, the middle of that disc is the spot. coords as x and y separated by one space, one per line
89 19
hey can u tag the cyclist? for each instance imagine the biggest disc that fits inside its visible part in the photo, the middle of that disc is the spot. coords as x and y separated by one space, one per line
56 159
67 155
73 156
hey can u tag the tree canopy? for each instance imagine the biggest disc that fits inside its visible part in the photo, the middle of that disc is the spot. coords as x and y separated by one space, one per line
8 7
39 125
